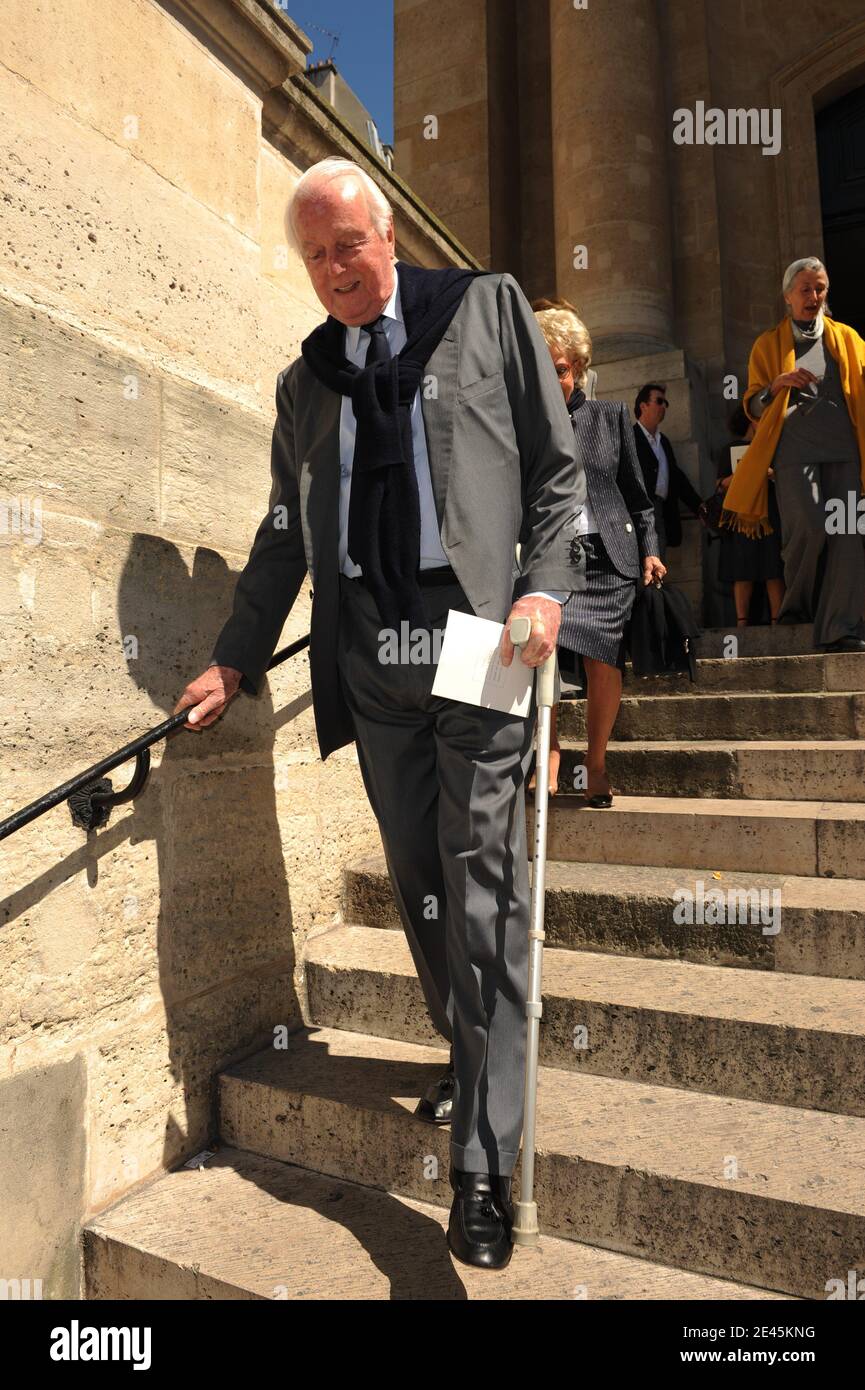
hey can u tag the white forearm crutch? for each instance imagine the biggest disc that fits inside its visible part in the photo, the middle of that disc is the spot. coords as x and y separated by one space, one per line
525 1227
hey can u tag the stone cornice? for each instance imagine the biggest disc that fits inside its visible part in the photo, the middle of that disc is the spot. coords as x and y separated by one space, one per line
269 51
299 116
260 41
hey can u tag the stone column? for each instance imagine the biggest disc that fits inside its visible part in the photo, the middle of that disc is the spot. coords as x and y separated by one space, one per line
610 140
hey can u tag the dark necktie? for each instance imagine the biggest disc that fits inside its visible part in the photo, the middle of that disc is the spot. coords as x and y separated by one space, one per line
378 347
384 509
377 350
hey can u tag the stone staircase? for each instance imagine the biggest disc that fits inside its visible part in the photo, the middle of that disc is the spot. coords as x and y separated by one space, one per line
701 1102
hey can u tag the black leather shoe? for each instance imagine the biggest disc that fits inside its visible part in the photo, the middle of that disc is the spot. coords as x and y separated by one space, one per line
846 644
436 1105
479 1229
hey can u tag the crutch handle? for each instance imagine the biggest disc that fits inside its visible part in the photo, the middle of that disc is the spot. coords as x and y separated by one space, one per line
520 631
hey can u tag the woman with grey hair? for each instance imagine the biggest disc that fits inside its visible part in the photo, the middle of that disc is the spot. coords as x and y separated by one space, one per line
806 396
617 532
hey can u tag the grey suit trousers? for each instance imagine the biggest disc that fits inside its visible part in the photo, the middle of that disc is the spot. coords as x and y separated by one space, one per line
446 783
802 489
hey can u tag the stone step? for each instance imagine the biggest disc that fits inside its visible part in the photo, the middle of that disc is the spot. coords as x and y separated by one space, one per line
761 1194
831 671
246 1227
762 770
808 838
785 1039
819 715
786 639
628 910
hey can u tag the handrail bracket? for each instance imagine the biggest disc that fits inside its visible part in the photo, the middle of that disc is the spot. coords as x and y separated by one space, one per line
90 806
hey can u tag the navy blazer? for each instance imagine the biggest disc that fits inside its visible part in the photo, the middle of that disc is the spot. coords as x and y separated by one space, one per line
681 488
622 510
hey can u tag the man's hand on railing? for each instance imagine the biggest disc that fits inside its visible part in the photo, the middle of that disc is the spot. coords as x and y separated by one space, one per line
210 693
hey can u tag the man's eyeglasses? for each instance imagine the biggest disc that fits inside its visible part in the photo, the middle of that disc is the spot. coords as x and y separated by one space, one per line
659 400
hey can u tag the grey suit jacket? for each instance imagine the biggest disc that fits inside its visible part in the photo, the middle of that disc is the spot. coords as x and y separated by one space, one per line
504 466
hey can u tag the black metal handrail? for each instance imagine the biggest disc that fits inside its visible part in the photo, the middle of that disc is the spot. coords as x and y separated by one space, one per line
90 795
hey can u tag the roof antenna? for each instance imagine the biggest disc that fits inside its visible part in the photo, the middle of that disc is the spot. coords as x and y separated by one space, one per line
331 35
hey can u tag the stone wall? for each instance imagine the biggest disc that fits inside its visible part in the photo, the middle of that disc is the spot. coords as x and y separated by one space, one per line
148 303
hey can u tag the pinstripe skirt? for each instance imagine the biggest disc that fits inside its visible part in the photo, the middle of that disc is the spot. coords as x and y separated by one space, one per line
594 620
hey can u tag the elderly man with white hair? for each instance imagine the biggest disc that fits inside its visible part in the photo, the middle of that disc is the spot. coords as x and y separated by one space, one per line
420 436
806 395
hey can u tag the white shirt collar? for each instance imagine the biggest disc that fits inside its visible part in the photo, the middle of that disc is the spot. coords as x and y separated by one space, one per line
653 437
391 310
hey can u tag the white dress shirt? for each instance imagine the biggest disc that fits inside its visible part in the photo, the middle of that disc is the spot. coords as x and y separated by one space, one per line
587 521
662 486
356 344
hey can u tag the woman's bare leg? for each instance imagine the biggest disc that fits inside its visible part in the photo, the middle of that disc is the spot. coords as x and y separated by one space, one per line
602 706
775 590
742 591
555 755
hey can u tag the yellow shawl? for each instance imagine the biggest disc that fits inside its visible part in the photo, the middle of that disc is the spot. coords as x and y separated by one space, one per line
746 504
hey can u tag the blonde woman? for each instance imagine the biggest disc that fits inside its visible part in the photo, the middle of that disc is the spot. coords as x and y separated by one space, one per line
618 535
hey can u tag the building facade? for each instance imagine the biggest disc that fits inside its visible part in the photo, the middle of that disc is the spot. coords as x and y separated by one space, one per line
656 162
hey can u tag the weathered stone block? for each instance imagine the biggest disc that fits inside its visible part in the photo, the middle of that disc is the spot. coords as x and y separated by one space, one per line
43 1187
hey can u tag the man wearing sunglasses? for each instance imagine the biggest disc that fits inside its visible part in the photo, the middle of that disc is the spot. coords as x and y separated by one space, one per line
665 482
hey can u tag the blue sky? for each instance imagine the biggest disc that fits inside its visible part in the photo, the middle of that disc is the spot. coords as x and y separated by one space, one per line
364 54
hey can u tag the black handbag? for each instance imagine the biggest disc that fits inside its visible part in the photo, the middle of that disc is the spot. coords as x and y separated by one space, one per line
663 633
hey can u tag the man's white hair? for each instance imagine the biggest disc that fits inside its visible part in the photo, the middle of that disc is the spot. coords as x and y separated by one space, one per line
323 172
804 263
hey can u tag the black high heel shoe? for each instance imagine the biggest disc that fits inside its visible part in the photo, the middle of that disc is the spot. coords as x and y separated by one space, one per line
600 801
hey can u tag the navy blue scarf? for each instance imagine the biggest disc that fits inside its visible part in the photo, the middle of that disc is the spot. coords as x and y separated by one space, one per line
384 507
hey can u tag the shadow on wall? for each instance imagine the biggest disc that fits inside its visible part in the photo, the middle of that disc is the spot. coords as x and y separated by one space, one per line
216 906
225 943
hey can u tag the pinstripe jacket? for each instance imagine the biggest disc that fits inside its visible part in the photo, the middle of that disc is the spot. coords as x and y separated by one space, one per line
620 505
